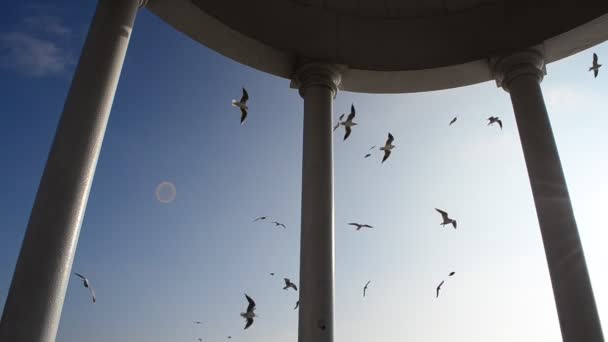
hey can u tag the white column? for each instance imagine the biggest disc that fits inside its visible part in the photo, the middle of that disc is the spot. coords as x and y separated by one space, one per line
35 300
520 74
318 86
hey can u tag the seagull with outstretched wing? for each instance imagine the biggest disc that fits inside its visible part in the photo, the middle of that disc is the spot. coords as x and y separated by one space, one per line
249 314
86 283
446 218
359 225
595 67
365 287
242 104
289 284
494 119
388 146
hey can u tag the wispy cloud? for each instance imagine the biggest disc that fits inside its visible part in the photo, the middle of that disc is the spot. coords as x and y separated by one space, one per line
33 56
47 24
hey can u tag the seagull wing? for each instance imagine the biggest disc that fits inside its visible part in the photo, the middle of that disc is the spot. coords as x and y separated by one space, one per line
92 293
249 323
294 287
454 223
451 122
371 148
438 288
80 275
444 215
499 123
451 274
386 154
245 96
367 226
297 304
594 59
351 116
243 114
354 224
368 155
347 132
251 305
595 72
390 139
336 126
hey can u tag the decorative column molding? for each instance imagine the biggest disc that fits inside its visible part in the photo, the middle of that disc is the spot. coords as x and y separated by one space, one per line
317 74
508 68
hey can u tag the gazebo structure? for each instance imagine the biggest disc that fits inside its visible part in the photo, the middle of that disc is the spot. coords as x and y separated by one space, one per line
322 46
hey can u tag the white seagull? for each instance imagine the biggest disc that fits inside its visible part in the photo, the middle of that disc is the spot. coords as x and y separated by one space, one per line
388 147
453 120
249 315
87 284
349 122
446 219
365 287
595 67
493 119
289 284
359 226
242 104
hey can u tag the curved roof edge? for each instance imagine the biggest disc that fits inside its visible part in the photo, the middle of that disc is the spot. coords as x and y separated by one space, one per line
187 18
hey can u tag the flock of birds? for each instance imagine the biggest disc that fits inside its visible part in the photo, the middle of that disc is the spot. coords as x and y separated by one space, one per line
348 125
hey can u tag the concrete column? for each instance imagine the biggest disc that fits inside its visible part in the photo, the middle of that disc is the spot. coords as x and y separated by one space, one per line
318 86
35 300
520 74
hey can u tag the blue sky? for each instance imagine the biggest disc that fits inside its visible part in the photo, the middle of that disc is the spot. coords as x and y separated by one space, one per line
158 267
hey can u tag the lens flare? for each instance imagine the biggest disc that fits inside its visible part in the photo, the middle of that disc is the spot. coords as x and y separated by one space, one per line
165 192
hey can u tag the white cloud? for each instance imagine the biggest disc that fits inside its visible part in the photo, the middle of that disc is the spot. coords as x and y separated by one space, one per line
33 56
47 24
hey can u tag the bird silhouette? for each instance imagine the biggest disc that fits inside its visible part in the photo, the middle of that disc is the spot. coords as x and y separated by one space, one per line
595 67
86 283
249 314
446 218
242 104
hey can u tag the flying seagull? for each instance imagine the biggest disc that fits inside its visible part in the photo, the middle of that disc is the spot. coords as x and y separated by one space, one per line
595 67
446 219
349 122
229 337
200 339
272 273
339 122
451 274
453 120
493 119
87 284
289 284
260 218
369 154
198 322
278 224
387 147
439 288
297 304
365 287
359 226
249 315
242 104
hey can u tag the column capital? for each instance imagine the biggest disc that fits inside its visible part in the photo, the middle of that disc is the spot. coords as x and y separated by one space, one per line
316 74
527 62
